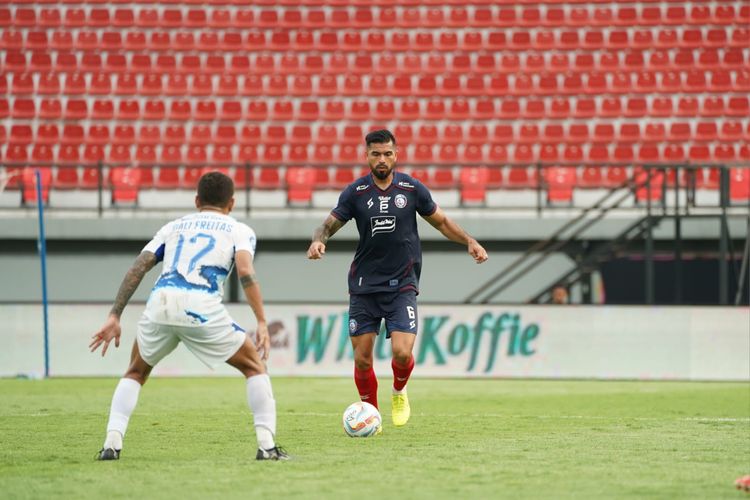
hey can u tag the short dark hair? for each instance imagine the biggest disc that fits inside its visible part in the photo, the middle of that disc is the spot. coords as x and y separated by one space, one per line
379 137
215 189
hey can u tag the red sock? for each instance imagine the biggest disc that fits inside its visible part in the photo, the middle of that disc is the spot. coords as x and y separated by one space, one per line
367 385
401 373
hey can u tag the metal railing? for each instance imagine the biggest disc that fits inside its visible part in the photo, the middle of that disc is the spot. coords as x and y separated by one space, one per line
682 177
642 228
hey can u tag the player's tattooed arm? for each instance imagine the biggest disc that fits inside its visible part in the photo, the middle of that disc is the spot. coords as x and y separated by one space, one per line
321 236
143 264
248 280
327 229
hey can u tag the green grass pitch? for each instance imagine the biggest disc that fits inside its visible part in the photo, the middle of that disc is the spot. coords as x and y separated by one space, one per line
192 438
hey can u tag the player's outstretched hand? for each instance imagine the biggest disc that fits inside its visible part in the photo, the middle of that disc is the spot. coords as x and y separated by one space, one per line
477 251
317 250
110 330
263 340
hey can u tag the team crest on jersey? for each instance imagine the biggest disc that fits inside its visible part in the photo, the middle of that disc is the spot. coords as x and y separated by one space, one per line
352 325
400 201
383 224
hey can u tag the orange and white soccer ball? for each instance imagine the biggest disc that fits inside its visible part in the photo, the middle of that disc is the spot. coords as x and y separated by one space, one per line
362 420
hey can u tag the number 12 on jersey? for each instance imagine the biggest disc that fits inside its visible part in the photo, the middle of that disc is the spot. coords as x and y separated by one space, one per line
198 246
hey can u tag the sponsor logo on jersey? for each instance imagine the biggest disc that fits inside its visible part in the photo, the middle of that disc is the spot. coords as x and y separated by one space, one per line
400 201
370 203
405 184
383 224
384 203
362 187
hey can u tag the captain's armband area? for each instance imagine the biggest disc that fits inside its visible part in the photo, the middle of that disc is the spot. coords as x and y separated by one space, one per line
248 280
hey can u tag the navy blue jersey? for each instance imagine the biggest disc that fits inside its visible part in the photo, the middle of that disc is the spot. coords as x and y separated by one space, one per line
389 254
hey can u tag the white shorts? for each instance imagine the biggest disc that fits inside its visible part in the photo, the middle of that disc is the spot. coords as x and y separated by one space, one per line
213 344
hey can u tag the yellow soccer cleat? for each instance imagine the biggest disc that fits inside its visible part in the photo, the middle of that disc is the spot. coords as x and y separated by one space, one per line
400 410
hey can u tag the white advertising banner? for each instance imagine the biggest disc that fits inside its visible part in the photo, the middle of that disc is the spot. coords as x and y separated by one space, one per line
600 342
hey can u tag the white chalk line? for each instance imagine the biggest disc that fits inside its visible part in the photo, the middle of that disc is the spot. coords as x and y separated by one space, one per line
475 415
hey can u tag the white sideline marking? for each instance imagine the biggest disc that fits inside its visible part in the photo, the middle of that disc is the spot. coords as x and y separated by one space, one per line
543 417
480 415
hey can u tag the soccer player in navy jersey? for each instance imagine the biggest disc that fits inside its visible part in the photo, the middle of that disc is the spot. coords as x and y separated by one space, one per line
384 276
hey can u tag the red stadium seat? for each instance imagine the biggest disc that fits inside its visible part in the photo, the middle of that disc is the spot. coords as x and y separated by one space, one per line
297 155
649 183
145 155
49 18
12 40
471 154
300 182
447 154
21 134
560 183
326 134
268 178
739 185
29 181
322 154
66 177
125 183
577 133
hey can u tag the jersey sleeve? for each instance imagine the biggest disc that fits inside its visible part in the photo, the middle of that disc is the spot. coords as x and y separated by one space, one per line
156 245
343 210
425 204
244 239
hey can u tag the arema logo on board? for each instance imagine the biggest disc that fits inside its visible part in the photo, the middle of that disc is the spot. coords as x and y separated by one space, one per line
441 337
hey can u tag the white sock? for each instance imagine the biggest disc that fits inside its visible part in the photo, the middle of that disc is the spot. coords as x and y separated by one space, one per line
395 392
123 403
114 440
261 402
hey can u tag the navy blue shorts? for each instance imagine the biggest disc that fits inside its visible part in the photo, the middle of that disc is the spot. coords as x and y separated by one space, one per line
398 309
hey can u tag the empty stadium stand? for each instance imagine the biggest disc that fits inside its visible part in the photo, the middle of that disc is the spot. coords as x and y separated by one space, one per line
279 93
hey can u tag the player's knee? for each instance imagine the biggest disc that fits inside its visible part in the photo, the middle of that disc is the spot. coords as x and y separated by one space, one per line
253 369
363 363
401 356
248 365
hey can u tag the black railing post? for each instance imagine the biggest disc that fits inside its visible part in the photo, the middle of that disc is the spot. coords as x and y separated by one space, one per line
100 187
248 184
233 282
649 253
723 236
677 238
539 187
743 274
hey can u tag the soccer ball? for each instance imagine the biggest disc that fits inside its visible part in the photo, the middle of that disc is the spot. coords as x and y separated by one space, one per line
361 420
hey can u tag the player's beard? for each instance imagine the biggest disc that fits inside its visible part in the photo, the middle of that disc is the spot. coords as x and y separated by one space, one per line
382 175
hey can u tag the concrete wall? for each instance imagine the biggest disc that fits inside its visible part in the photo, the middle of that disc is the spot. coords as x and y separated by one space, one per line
286 275
89 255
